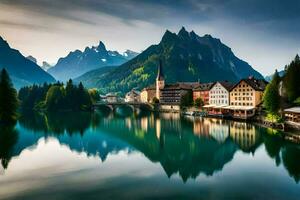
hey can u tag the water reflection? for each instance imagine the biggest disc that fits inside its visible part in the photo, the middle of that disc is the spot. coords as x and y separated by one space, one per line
185 146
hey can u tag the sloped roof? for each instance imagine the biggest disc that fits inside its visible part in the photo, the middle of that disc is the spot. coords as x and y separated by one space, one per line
181 86
204 86
293 110
226 84
256 84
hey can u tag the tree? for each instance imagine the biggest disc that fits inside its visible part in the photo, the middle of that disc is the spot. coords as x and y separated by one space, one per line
292 80
55 98
187 99
8 99
271 98
198 102
94 94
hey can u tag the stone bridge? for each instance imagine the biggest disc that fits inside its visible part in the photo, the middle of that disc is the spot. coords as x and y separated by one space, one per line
133 105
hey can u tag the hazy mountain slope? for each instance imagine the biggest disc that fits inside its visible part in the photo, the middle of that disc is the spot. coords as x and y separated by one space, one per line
77 63
22 70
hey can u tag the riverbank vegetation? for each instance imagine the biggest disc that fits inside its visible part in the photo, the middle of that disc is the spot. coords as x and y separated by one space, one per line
8 99
283 92
57 97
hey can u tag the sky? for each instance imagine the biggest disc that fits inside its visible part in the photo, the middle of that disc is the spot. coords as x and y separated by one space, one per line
265 33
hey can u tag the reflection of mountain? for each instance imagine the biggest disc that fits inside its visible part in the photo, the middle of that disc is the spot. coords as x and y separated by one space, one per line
93 144
180 145
175 147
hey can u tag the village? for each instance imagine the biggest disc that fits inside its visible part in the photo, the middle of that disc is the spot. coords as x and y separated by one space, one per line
221 99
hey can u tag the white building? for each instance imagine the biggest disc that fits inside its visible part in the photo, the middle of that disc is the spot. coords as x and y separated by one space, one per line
219 93
133 96
110 98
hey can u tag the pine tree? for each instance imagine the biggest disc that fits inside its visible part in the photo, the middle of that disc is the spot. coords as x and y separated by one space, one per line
271 97
8 99
292 80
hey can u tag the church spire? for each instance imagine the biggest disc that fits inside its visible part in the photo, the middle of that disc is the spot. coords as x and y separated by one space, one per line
160 73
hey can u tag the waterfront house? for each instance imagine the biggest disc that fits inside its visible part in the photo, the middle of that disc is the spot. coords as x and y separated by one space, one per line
170 95
148 94
292 115
133 96
202 91
246 96
219 93
219 98
111 98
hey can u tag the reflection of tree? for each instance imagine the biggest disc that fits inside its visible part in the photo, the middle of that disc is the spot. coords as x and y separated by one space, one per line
177 148
8 139
291 161
34 121
273 146
283 152
75 124
58 122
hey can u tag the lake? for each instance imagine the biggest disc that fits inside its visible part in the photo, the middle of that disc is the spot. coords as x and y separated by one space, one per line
144 156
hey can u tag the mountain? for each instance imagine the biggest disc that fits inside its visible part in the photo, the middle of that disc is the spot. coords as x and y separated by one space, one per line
31 58
270 77
77 62
185 57
21 70
90 79
46 66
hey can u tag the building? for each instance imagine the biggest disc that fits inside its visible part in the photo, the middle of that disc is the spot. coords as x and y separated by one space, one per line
292 115
148 94
133 96
246 96
202 91
160 80
171 94
219 99
219 93
111 98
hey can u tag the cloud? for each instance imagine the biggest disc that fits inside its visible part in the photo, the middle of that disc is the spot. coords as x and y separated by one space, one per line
19 25
254 13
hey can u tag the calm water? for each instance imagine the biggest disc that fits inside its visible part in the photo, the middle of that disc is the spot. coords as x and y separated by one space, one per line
101 156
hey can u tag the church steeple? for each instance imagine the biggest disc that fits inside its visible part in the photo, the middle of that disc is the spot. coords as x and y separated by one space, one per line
160 80
160 73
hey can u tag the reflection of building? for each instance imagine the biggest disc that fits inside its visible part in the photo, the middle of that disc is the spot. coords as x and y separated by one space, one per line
245 96
201 126
144 123
157 128
292 114
202 91
245 135
133 96
219 130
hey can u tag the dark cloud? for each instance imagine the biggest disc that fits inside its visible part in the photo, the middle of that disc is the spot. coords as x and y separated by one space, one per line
276 15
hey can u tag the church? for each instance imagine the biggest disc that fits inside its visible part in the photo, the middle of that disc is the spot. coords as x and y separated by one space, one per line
166 94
